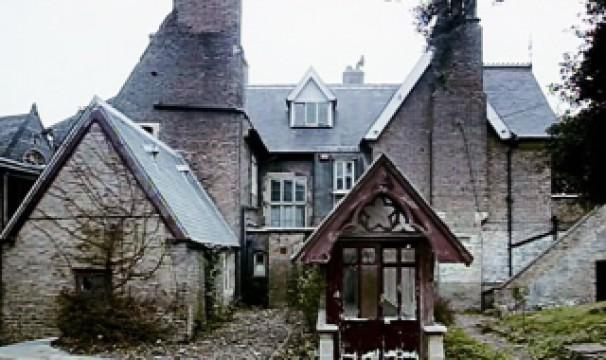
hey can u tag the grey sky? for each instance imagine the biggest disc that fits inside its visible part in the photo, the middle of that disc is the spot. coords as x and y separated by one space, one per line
59 53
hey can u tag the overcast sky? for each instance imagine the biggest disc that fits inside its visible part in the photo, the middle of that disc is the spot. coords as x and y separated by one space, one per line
59 53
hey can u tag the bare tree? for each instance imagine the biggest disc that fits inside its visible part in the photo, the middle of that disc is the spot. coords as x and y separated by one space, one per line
104 218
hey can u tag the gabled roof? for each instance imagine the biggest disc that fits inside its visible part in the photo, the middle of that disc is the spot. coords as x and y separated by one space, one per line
21 133
383 178
517 98
358 106
174 190
380 123
311 75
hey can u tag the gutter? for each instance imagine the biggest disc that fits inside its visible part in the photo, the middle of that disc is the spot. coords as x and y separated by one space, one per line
511 144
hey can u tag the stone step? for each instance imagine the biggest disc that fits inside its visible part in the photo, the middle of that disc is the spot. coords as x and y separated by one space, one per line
588 351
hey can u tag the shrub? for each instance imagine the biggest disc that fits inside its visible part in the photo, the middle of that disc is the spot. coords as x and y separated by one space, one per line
85 320
305 286
442 311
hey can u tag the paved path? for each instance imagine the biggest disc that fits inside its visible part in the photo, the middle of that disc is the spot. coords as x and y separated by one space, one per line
471 324
38 350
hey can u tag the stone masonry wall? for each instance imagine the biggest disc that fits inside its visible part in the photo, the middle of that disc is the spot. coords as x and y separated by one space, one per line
531 207
51 244
566 273
281 246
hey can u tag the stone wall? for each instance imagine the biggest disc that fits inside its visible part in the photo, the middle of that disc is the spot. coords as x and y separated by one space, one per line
566 273
530 206
281 246
67 231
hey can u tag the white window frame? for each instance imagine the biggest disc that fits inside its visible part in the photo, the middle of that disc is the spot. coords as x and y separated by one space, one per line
316 123
282 204
254 181
154 126
259 269
227 283
339 193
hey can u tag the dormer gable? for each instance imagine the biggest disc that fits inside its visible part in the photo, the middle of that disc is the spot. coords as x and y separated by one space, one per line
311 103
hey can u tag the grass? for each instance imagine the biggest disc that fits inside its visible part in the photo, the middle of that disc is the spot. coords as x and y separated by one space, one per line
460 346
547 332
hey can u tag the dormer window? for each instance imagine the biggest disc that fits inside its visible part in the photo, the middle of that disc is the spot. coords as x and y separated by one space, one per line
311 114
311 103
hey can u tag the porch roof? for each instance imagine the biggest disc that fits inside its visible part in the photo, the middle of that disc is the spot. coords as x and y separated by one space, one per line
383 178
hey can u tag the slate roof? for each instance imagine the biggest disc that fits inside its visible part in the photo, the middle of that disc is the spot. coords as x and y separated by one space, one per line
20 133
174 190
357 107
515 95
515 103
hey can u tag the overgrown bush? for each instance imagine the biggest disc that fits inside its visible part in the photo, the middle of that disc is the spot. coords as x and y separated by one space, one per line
442 311
87 320
305 286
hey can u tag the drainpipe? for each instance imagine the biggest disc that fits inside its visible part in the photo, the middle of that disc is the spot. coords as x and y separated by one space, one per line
511 144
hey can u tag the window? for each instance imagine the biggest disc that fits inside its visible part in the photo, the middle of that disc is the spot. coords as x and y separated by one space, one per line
287 201
33 157
254 181
228 271
311 114
259 265
379 282
343 178
152 128
92 281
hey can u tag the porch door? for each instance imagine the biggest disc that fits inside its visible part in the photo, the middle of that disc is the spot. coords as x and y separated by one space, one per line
600 280
379 299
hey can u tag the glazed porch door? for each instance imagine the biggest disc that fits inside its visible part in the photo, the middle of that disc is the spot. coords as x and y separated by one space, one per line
378 300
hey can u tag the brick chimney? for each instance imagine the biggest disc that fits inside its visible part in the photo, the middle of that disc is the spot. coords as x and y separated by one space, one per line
354 76
209 16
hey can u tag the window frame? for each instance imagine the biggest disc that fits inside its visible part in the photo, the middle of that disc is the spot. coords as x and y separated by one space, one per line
282 204
400 263
339 193
254 181
256 265
304 123
82 273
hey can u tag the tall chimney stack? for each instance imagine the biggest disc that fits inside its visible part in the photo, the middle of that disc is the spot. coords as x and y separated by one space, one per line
209 16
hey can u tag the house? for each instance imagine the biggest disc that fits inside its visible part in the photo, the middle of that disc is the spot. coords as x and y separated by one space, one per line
113 188
278 160
378 250
24 149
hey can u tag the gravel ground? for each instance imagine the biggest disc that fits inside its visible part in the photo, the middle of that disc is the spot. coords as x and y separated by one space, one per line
251 334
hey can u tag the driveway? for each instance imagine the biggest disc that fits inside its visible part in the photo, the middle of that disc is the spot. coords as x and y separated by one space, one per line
38 350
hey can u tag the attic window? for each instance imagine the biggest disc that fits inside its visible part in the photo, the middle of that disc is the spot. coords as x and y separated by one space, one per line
34 157
311 114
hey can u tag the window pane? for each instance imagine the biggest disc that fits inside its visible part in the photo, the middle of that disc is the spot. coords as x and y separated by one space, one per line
300 191
408 255
340 184
288 216
275 190
350 256
409 298
275 216
310 109
300 216
368 256
350 291
299 114
390 256
349 175
339 168
389 301
323 114
288 191
369 292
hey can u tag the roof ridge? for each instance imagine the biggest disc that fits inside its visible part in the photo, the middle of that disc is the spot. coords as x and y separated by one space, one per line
499 64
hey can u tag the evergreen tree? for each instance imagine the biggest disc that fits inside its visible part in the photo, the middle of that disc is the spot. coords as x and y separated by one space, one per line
578 146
